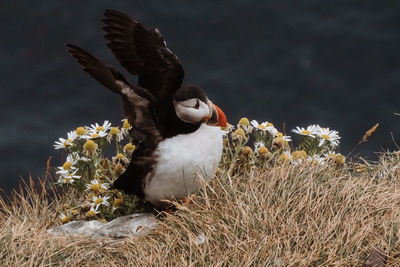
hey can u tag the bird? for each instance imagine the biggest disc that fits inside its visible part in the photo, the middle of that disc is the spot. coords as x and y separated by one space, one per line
176 127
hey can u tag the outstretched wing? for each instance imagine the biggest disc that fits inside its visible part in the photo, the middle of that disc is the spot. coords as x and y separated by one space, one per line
143 52
96 69
138 105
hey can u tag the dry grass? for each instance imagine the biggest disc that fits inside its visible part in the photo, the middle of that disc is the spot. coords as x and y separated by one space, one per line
285 215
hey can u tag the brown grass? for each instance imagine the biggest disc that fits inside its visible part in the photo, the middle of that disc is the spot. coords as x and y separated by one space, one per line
285 215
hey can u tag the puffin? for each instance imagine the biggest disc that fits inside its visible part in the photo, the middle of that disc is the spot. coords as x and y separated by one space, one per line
176 127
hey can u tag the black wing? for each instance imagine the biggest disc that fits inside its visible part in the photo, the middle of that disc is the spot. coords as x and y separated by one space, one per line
133 97
143 52
97 69
138 105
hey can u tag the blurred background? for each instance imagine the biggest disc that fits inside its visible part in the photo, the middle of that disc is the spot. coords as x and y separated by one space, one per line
293 63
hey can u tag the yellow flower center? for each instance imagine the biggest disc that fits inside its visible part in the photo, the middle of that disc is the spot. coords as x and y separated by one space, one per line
68 179
67 165
299 154
91 213
331 156
126 124
325 136
100 128
67 142
118 202
129 147
262 151
340 159
120 156
244 121
246 150
95 187
261 126
279 134
80 131
98 201
280 142
269 124
306 132
114 130
95 135
65 219
240 132
74 212
89 146
284 157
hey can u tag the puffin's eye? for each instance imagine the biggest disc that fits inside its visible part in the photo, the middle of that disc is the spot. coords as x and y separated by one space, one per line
197 104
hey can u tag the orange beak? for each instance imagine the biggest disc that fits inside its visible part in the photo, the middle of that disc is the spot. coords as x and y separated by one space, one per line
217 117
221 117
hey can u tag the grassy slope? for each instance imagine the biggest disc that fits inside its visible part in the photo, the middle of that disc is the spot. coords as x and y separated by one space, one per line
294 215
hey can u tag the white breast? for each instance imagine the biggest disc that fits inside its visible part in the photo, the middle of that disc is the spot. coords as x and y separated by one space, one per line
180 158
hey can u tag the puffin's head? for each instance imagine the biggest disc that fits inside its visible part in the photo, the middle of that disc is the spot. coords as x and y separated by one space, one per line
193 106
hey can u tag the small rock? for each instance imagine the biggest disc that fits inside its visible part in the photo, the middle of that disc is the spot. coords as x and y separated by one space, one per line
377 258
126 226
77 228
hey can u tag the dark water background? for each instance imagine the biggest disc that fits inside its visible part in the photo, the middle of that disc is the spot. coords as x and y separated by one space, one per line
335 63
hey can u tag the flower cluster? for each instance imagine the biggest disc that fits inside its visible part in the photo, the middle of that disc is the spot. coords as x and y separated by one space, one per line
316 145
89 172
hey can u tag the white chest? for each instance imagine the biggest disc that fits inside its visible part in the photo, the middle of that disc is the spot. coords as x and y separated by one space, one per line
180 158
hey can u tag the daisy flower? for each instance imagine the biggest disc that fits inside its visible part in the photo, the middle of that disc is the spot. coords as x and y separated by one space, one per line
119 158
310 131
316 159
90 147
68 165
64 218
287 138
330 155
245 125
299 155
126 126
93 211
77 157
65 143
69 178
285 157
262 151
336 157
281 140
97 201
115 132
81 132
260 126
97 186
96 130
246 150
239 134
271 129
330 136
117 204
129 148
